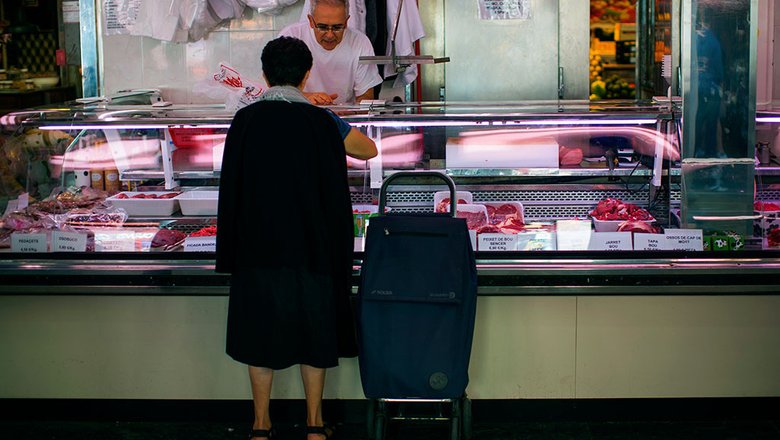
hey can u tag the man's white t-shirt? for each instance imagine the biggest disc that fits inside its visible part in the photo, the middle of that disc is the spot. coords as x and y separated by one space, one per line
337 70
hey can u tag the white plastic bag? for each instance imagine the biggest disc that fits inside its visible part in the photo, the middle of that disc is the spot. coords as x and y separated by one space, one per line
271 7
228 86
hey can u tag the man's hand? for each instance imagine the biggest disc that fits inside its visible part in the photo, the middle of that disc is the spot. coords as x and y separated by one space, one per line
320 98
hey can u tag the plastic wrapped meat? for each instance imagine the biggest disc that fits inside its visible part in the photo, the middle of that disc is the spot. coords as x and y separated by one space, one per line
569 156
167 240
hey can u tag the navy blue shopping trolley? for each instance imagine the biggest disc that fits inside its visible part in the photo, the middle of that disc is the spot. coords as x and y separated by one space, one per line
416 310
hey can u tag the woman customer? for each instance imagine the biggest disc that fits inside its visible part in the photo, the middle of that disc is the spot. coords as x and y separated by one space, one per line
285 235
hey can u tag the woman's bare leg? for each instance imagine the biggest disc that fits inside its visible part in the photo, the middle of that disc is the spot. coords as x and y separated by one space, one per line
261 379
313 386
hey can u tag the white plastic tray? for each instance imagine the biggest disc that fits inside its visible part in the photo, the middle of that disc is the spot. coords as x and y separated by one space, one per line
145 207
198 202
438 196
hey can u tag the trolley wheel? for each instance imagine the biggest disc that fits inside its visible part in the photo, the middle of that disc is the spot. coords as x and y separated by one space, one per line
371 418
455 420
379 427
380 421
466 418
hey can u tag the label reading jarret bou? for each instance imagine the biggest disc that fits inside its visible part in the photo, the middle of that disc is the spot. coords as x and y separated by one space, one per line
610 241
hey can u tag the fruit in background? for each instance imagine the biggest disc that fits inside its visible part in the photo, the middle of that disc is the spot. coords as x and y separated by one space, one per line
598 88
613 88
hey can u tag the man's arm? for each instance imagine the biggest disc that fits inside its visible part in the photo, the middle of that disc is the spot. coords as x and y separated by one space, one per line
368 95
358 145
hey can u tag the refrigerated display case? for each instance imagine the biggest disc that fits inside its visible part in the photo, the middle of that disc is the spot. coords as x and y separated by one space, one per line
551 163
130 320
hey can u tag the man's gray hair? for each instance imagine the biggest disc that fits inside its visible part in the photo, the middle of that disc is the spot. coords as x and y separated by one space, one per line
314 4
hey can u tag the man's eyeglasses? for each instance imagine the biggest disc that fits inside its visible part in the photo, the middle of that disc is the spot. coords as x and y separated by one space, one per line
324 28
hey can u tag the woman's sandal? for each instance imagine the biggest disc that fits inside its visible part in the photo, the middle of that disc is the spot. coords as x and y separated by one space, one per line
329 431
262 433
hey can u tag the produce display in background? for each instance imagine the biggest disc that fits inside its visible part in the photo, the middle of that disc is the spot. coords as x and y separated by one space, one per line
596 67
613 11
613 88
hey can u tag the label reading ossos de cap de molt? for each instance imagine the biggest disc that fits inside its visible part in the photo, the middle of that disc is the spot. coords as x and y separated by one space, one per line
685 240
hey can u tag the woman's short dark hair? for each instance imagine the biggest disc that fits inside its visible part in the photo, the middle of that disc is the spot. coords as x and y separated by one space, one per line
285 61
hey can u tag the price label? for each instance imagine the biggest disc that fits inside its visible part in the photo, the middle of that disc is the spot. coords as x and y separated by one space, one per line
536 241
23 201
200 244
28 242
497 242
684 240
114 241
573 235
650 242
62 241
610 241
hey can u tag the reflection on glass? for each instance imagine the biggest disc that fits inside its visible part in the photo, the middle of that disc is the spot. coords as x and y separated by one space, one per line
719 85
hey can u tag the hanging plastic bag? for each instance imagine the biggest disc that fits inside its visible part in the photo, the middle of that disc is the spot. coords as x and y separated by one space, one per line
270 7
228 86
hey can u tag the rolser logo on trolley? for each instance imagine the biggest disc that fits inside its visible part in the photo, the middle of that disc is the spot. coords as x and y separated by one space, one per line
382 292
449 295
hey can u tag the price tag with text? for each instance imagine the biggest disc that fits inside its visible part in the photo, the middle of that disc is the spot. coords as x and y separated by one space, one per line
650 242
610 241
200 244
115 241
684 240
62 241
497 242
573 235
28 243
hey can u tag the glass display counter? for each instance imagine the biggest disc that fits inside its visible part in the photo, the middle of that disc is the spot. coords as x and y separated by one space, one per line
580 196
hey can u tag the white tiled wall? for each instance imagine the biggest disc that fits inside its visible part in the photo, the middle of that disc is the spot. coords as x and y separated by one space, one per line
174 68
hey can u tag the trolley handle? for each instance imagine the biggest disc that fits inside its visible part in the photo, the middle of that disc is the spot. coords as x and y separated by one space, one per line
447 179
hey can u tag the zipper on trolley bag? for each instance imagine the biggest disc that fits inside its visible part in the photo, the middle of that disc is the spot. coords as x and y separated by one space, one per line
387 231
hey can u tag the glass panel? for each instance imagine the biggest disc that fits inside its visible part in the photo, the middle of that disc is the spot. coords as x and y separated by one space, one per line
719 115
719 62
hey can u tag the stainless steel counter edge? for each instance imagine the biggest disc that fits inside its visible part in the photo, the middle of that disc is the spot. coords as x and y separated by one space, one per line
576 276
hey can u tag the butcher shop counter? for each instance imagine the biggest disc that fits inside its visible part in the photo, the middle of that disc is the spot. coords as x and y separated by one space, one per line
550 324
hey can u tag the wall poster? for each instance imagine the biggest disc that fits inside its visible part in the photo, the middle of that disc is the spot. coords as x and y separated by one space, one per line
119 16
504 9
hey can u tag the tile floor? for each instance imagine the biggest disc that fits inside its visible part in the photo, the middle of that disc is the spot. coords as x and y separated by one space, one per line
633 419
661 430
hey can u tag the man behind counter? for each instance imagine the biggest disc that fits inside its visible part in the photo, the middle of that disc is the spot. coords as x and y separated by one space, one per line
336 77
